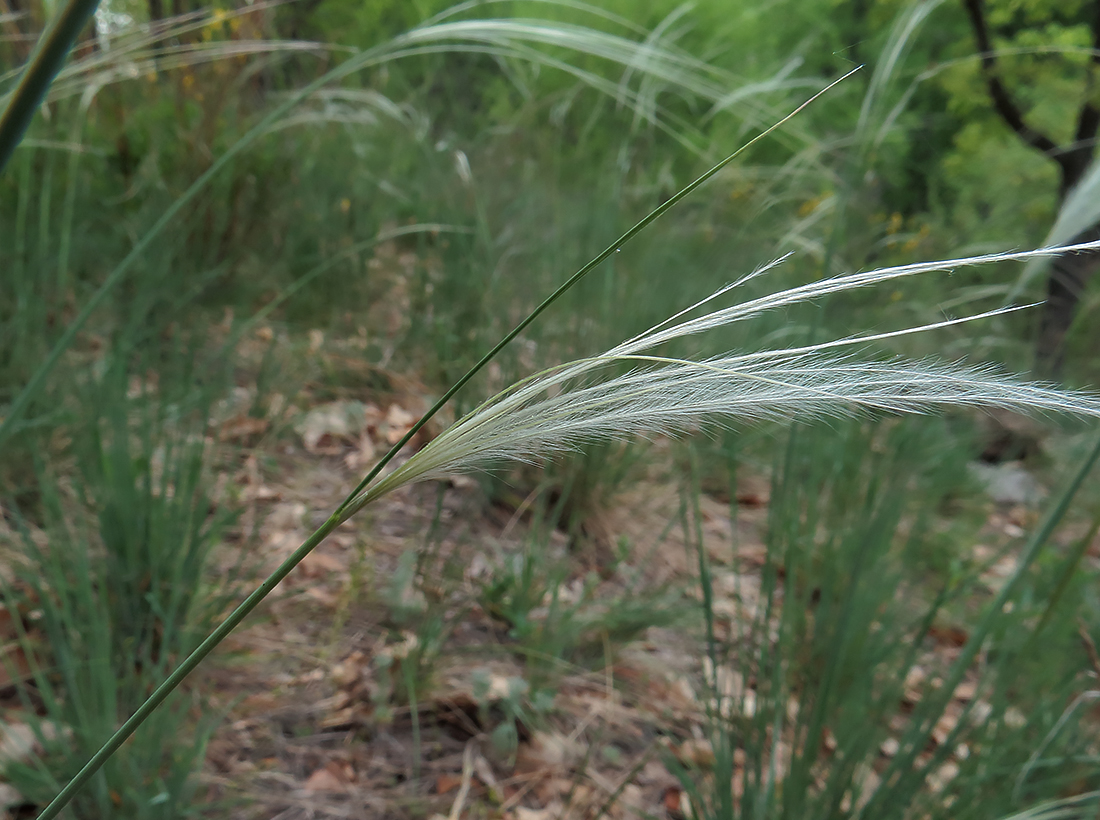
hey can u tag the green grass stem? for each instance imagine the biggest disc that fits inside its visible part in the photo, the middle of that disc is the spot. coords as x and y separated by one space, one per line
349 506
47 60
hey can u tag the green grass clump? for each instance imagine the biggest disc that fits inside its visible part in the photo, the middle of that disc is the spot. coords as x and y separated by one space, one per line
119 582
557 622
828 695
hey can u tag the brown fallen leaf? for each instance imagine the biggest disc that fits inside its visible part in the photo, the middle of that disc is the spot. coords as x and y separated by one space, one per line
397 423
753 491
258 703
949 635
672 801
332 777
548 750
20 742
942 777
10 797
14 665
966 691
654 773
349 671
317 564
362 453
696 753
523 813
946 724
326 428
398 416
242 428
447 783
552 788
325 599
631 801
260 493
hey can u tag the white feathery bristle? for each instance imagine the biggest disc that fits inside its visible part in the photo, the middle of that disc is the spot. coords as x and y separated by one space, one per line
670 396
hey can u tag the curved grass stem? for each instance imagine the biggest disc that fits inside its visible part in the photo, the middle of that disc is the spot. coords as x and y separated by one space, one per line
352 503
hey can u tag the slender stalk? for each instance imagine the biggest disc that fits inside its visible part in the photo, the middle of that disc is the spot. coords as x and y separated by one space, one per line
46 61
353 502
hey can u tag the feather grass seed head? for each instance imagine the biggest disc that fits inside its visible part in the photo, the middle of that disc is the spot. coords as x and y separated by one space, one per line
566 406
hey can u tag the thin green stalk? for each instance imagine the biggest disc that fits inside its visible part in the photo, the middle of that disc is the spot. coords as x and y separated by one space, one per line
353 502
22 215
47 60
65 239
1069 571
414 714
706 581
44 199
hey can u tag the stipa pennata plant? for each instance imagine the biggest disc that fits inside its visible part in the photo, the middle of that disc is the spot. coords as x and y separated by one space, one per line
584 400
570 404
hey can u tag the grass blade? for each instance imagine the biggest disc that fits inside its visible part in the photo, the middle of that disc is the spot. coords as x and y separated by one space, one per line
43 67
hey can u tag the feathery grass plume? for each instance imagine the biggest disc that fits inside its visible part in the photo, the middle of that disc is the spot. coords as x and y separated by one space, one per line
566 405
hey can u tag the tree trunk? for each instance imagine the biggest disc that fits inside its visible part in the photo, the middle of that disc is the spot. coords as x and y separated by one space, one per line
1069 276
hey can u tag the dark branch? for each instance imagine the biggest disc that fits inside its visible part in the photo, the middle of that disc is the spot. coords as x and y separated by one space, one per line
1088 119
1002 101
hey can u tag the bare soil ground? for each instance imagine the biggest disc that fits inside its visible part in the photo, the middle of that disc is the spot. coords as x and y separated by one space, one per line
358 692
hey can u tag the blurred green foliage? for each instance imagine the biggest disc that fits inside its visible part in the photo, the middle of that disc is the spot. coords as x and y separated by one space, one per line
933 171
